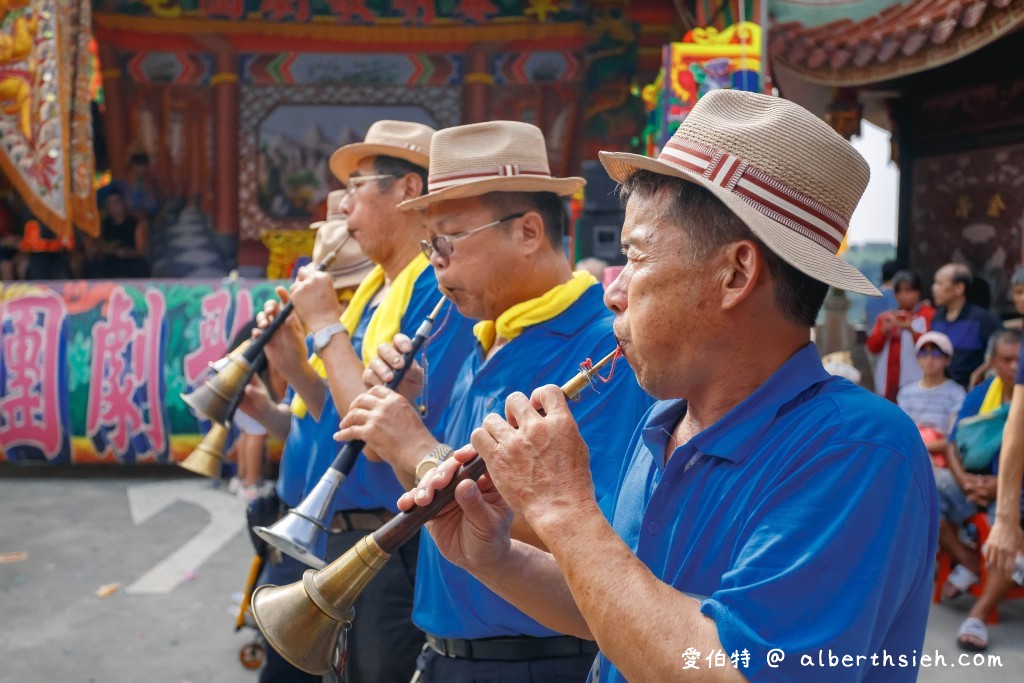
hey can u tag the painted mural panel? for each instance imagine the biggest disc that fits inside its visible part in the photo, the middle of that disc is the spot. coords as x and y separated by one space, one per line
290 131
969 207
92 372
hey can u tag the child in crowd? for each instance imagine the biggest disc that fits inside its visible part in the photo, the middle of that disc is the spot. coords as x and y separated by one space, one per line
894 334
933 401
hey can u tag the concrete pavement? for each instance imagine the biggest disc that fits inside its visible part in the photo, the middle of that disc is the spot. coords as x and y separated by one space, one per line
169 543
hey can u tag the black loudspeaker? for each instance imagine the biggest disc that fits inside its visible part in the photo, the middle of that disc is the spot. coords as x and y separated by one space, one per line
599 228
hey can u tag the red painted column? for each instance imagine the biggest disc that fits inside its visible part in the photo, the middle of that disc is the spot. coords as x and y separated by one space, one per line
115 118
476 93
225 144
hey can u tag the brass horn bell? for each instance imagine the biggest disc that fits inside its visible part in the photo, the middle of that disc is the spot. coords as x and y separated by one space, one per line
207 457
303 620
213 399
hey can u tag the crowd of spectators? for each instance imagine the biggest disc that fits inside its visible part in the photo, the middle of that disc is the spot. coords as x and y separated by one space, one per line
952 368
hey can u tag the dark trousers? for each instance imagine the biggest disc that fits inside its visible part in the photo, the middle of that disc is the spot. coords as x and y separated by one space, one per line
383 643
436 668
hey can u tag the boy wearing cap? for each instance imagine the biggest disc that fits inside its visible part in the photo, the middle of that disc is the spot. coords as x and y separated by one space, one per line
766 508
933 401
495 222
388 167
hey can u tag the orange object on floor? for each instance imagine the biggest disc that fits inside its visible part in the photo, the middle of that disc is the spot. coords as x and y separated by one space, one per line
945 566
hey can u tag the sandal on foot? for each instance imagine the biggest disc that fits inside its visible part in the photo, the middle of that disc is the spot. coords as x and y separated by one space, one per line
959 581
973 635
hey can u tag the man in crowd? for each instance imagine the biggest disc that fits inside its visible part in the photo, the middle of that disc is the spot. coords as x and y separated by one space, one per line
386 169
967 325
767 510
495 223
963 493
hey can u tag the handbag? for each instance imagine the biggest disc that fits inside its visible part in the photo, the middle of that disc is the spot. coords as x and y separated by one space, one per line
979 437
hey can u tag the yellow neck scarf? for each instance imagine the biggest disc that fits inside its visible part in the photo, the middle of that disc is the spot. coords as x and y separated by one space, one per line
512 322
386 321
993 397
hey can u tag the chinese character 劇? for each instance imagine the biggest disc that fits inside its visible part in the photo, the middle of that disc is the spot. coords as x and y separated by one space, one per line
125 412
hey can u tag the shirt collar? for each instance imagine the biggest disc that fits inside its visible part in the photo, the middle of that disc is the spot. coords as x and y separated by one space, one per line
580 314
734 435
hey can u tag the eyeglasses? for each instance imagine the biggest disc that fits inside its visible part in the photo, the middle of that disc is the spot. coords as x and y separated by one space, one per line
442 244
357 181
931 353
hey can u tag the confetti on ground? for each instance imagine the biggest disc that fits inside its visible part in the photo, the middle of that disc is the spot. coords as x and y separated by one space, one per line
108 589
19 556
190 575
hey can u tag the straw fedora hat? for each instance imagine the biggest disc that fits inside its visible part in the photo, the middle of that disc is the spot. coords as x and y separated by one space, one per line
350 265
496 156
783 171
402 139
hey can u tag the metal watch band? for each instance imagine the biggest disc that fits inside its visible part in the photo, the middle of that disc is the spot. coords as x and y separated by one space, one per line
322 338
432 460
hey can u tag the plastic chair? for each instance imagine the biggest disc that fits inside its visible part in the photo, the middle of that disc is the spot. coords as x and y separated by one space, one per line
944 565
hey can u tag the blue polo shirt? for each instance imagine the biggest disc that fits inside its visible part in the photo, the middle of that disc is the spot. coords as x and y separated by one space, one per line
969 334
291 477
971 407
450 603
807 519
372 485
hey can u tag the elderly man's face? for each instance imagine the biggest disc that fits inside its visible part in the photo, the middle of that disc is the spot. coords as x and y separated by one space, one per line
944 292
369 208
480 271
665 302
1004 362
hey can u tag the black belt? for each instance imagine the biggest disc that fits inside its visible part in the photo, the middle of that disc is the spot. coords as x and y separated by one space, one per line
512 648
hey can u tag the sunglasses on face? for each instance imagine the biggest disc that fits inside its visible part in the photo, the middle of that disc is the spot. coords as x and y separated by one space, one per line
930 353
442 244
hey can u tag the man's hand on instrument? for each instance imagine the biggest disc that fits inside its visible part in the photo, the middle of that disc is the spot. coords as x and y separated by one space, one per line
390 426
538 462
315 299
256 401
286 350
474 531
381 369
1004 543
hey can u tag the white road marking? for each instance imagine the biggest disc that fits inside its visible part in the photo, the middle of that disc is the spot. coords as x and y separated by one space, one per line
227 518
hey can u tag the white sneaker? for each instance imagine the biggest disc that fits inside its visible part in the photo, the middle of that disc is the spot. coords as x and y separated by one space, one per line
234 484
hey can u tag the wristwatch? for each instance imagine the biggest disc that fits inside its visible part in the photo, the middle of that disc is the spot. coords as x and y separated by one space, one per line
432 460
322 338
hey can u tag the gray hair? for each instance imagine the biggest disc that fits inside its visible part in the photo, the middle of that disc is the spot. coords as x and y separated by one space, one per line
1018 276
1006 335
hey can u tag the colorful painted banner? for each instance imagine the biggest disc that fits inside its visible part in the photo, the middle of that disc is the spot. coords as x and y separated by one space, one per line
46 69
367 12
91 372
706 60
